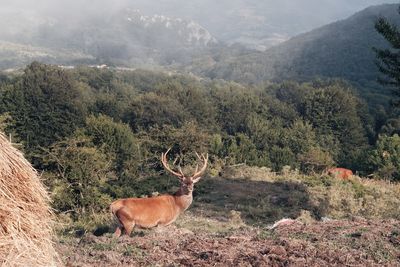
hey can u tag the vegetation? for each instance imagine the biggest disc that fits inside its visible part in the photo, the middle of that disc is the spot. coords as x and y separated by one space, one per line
98 133
338 50
232 220
272 129
389 58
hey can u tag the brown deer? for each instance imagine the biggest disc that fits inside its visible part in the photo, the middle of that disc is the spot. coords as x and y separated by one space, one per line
160 210
340 173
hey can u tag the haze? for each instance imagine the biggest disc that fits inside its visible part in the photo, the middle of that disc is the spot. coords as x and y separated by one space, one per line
227 20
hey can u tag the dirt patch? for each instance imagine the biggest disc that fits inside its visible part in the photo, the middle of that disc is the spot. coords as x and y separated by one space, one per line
259 202
355 242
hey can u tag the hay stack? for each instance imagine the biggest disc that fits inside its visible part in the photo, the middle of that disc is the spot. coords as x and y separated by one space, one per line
25 215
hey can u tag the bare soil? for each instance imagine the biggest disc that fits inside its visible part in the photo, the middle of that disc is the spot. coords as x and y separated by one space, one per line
356 242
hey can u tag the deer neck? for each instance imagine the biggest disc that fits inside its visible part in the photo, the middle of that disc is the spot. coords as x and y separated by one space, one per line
183 199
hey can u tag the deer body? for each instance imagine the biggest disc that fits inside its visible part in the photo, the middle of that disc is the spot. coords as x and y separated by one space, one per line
156 211
150 212
341 173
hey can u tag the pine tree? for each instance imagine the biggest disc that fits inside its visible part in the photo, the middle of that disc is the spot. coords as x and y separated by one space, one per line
389 58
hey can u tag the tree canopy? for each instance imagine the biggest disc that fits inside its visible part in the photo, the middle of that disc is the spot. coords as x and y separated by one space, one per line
389 58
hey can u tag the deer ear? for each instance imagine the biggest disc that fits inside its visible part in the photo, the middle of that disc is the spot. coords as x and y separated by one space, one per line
196 180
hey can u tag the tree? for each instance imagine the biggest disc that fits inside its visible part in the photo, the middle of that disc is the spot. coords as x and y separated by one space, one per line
45 104
152 110
240 149
234 105
333 112
183 141
385 158
389 58
116 140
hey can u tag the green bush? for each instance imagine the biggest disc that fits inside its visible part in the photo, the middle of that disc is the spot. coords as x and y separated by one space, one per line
315 160
385 158
77 177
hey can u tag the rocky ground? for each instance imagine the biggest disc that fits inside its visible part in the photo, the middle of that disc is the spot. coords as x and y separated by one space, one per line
356 242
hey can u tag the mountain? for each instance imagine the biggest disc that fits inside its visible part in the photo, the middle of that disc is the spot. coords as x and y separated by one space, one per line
339 50
129 37
14 55
254 23
124 38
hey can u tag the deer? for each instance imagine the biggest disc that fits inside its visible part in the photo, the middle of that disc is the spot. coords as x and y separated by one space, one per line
341 173
160 210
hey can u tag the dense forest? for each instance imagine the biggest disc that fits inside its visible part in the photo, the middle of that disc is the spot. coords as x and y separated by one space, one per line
98 133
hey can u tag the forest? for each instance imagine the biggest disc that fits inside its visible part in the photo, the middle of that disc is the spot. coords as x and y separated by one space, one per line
97 134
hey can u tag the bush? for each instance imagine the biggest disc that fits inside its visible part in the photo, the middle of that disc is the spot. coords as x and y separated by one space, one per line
315 160
385 158
78 176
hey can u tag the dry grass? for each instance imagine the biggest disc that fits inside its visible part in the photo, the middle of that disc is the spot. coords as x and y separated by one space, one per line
210 243
326 196
25 215
229 225
259 197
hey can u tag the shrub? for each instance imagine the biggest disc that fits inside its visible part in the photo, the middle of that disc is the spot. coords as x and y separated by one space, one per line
315 160
78 176
385 158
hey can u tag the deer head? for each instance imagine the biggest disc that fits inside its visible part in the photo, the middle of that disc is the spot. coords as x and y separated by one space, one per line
187 182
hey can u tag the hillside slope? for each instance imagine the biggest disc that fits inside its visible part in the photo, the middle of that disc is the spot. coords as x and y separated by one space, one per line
124 38
342 49
333 243
253 23
231 223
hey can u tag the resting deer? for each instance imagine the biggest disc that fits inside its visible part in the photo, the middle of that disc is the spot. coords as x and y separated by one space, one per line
160 210
340 173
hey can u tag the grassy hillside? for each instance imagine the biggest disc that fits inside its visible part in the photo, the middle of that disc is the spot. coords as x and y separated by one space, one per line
258 197
230 223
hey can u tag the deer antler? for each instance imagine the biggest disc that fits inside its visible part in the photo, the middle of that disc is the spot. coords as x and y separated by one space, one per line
164 161
179 173
197 173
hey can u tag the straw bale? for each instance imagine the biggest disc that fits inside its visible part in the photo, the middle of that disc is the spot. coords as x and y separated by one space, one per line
25 216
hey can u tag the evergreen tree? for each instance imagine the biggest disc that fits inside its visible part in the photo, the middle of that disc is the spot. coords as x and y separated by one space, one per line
389 58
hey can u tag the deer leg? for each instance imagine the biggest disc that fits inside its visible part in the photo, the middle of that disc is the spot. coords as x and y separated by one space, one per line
159 229
118 231
129 227
125 221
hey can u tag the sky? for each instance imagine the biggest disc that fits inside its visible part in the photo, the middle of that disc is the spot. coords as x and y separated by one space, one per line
336 9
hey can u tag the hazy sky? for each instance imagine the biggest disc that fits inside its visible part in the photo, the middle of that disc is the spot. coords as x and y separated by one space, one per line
338 8
218 16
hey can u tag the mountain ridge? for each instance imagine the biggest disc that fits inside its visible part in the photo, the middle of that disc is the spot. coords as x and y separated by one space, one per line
342 49
127 38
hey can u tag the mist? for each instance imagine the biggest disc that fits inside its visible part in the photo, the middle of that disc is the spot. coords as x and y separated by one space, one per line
157 32
222 18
